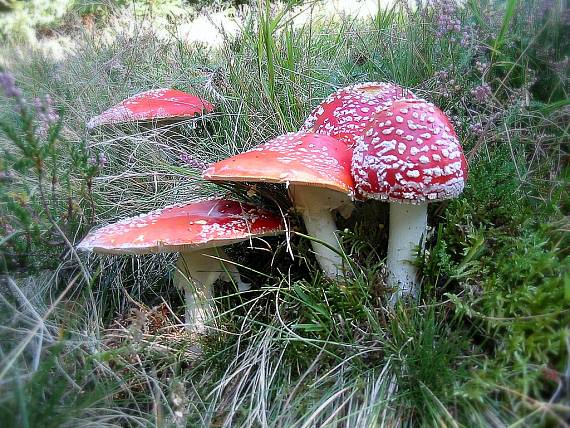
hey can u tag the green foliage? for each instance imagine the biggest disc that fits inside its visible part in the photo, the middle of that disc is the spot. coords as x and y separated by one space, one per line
498 246
23 17
531 50
521 299
494 193
429 361
321 307
41 202
50 398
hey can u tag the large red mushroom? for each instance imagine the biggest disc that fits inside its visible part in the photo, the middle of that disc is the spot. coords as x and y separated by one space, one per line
196 230
410 156
316 170
151 105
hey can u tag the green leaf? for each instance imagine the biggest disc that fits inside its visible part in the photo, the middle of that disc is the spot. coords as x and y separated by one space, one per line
310 327
552 107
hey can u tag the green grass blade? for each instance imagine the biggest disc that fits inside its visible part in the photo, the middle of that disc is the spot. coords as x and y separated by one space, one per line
509 12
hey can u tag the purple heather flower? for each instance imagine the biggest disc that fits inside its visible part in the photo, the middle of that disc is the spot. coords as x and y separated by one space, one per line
45 110
6 176
98 161
46 114
38 104
443 83
442 75
481 67
193 162
8 228
476 128
8 84
481 93
11 90
449 23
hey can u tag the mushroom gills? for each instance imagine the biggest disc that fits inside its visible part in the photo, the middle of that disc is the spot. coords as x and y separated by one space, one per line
195 274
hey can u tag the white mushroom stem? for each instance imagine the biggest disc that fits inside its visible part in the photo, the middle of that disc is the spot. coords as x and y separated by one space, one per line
316 205
407 225
196 272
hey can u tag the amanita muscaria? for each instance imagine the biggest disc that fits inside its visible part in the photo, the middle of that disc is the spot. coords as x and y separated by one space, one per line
410 156
196 230
345 113
316 170
155 104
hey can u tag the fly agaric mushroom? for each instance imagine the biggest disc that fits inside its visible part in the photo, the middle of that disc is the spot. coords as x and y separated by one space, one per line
153 105
410 156
316 170
345 113
196 230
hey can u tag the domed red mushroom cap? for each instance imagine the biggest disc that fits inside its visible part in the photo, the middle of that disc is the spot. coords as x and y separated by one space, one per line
294 158
345 113
184 227
152 105
316 169
409 154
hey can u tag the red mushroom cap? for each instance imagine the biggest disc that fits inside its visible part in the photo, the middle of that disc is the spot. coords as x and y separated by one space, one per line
183 227
152 105
294 158
345 113
409 154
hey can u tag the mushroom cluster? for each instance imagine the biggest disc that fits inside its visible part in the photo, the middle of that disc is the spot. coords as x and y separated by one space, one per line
370 140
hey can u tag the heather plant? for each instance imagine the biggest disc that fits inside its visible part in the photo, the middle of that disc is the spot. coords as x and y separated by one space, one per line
39 207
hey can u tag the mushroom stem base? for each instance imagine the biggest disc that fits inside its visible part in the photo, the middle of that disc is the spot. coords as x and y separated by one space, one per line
196 272
407 225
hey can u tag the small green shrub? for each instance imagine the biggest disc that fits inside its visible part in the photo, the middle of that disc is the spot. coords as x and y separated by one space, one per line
510 265
41 206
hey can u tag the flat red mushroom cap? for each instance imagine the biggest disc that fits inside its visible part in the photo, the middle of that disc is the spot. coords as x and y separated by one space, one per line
409 154
294 158
152 105
183 227
345 113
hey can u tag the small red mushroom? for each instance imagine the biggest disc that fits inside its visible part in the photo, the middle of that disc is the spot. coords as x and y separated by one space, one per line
153 105
316 170
409 155
345 113
196 230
